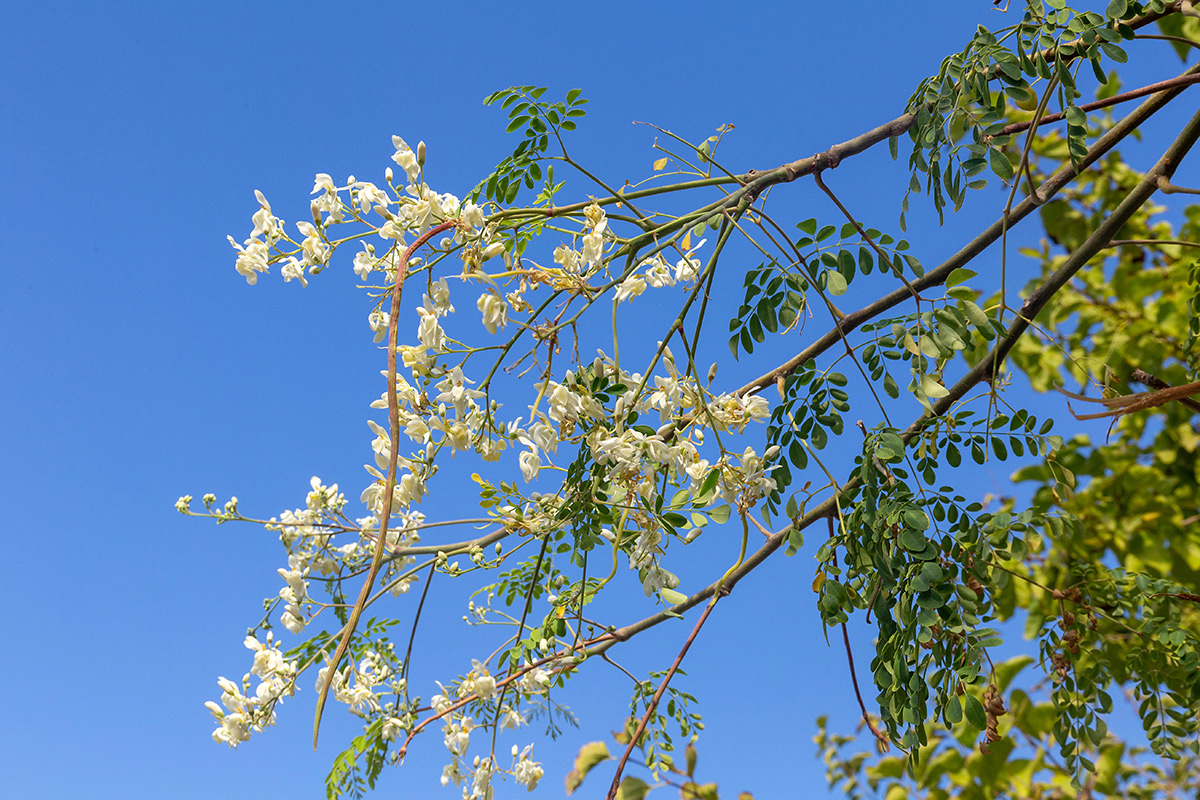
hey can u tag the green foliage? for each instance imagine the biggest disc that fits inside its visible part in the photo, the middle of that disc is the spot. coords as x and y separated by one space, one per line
541 121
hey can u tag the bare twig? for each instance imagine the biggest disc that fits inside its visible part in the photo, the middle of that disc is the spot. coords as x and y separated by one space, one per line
616 781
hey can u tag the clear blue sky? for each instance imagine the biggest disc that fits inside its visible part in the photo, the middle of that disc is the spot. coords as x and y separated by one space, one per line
138 366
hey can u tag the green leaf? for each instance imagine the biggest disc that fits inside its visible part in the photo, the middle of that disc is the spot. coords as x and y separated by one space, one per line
975 713
1114 52
912 541
588 757
695 791
953 711
932 388
916 519
960 275
1000 164
976 315
720 514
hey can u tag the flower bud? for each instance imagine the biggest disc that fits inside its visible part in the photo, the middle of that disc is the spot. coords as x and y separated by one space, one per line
316 213
492 250
421 154
387 174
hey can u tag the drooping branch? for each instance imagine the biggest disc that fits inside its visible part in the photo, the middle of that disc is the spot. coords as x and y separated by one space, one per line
389 482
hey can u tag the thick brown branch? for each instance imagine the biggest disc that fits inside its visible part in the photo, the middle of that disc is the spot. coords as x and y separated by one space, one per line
1093 245
977 245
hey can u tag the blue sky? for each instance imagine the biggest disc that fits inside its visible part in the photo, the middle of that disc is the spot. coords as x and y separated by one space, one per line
139 366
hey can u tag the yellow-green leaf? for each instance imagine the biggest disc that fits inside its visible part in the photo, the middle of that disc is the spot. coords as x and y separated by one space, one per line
632 789
695 791
589 756
931 387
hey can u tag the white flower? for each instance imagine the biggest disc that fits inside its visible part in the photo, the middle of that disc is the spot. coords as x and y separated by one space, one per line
481 788
406 158
543 436
378 321
495 312
265 223
368 195
454 390
293 269
657 578
293 621
457 737
295 584
437 302
472 215
392 728
251 260
315 250
417 430
565 405
658 274
364 262
484 682
324 183
450 772
688 268
535 681
630 287
511 718
429 332
567 257
526 771
530 464
593 248
440 703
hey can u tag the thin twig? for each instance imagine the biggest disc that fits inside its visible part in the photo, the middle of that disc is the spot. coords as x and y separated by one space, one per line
862 706
1132 94
416 619
616 781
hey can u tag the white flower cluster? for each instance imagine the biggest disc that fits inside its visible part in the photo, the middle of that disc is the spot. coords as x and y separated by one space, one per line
656 273
415 209
439 407
480 685
247 712
361 685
